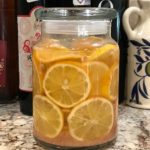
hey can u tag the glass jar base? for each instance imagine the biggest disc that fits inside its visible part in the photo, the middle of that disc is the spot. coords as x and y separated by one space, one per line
48 146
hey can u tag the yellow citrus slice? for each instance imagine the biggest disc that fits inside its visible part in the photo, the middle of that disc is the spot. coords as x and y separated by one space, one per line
110 83
66 84
48 118
44 55
96 72
37 78
91 119
108 53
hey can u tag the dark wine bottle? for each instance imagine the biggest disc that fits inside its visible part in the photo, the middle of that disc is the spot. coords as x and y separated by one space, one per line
8 52
119 35
28 33
58 3
67 3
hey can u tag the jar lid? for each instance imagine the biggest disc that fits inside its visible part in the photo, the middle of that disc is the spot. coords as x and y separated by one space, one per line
81 21
76 13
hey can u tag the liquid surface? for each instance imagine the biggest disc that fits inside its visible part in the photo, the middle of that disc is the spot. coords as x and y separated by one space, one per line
75 91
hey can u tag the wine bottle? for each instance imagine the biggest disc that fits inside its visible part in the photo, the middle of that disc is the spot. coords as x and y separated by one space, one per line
67 3
58 3
29 31
8 52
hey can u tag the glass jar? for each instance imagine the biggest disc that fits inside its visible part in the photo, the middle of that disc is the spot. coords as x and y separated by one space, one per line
75 79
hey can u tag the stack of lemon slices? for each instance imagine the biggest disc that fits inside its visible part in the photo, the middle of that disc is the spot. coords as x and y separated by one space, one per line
80 95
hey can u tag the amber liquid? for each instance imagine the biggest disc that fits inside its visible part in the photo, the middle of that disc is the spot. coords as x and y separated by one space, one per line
8 52
66 141
60 67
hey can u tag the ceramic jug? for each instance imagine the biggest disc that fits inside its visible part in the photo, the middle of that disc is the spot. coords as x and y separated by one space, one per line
138 64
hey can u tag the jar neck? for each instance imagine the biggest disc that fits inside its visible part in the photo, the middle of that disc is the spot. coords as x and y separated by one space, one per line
79 28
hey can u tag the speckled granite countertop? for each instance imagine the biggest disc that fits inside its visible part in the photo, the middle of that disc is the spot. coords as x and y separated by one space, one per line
16 129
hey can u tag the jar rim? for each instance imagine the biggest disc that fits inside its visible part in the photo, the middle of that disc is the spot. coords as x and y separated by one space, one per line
75 13
74 27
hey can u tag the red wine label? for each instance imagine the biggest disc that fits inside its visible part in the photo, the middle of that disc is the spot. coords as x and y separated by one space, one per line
3 49
29 31
81 2
30 1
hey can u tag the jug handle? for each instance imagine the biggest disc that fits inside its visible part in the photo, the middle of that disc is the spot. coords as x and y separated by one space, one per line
126 23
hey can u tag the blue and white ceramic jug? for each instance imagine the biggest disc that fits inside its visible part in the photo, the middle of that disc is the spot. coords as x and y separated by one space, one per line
138 67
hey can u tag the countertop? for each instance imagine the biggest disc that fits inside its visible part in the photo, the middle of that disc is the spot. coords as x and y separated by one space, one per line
16 129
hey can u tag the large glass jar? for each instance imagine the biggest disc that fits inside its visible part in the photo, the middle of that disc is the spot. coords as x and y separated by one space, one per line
75 79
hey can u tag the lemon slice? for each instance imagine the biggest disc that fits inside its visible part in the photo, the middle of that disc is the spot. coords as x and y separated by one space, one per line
44 55
91 119
37 78
96 72
48 118
110 83
108 53
66 84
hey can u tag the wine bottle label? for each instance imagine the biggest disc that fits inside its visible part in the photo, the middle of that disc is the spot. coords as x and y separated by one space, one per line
29 31
81 2
3 47
30 1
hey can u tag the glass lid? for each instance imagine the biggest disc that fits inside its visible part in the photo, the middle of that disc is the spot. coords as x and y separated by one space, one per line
77 13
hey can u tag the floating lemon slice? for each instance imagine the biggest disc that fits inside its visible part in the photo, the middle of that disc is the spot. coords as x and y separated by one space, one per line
66 84
44 55
48 118
108 53
110 83
37 78
96 72
91 119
